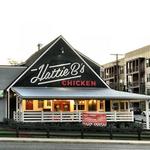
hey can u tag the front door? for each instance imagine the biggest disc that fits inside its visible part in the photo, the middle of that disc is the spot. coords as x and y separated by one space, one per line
61 105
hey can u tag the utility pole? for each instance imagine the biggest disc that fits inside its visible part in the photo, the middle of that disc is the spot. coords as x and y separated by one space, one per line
117 70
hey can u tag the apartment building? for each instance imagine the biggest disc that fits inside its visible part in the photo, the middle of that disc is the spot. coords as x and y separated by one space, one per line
138 70
131 73
114 74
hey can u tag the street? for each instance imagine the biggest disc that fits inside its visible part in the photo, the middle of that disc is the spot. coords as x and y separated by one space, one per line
69 146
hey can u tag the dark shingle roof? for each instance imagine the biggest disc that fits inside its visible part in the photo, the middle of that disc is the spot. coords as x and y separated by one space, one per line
8 74
38 53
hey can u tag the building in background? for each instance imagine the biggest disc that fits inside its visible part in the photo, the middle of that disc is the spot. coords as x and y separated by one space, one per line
131 73
114 74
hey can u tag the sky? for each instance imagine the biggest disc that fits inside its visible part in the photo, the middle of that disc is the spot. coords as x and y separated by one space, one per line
97 28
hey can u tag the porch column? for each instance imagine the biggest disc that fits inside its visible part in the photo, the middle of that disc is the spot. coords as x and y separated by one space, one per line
20 105
8 104
147 114
17 117
16 103
76 103
21 113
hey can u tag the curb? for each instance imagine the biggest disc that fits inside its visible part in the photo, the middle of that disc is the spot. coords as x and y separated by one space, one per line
72 141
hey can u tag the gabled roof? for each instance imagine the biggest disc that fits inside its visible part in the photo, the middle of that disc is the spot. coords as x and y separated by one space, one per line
49 50
37 54
8 74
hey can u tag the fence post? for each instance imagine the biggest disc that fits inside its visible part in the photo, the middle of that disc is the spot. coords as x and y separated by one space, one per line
139 133
47 131
61 115
22 116
82 132
17 130
115 116
79 114
17 116
110 132
42 116
132 115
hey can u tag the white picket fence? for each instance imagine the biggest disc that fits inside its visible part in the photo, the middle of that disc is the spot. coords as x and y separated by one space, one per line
41 116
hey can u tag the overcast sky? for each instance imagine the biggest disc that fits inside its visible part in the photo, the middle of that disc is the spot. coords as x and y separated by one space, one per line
97 28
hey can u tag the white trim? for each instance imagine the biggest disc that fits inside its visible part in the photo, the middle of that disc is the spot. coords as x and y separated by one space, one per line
11 66
85 62
8 104
33 63
60 37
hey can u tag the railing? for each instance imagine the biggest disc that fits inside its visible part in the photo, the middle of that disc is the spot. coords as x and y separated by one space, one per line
41 116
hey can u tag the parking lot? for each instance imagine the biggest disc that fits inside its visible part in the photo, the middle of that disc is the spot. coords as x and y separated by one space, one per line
140 117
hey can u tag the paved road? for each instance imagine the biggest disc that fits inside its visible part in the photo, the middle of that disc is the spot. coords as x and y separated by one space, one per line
70 146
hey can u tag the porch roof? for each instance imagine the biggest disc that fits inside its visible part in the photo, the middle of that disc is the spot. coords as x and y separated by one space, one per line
75 93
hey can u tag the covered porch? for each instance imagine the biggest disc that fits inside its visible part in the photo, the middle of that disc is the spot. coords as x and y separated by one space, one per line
78 94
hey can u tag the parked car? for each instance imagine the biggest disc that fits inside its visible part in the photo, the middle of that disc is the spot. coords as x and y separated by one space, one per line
136 110
144 113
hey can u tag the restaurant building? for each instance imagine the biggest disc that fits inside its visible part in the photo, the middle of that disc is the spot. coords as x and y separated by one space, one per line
60 84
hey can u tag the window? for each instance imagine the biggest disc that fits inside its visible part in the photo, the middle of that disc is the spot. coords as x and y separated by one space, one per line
129 80
81 105
40 103
148 77
121 69
101 105
131 66
66 107
57 107
29 104
122 105
48 103
148 91
148 62
92 105
107 73
127 105
115 106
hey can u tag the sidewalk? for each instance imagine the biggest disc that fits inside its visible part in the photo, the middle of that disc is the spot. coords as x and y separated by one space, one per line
57 140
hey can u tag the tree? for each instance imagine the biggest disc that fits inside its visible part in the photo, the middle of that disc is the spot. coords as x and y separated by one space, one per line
13 62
